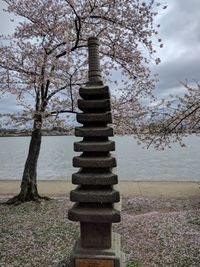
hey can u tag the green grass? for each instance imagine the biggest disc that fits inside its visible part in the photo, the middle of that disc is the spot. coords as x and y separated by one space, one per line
134 262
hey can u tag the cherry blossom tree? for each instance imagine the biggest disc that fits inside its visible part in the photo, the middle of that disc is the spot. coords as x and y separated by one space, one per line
171 120
45 61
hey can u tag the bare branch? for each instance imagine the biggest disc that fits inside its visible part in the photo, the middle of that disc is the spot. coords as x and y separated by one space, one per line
56 91
63 111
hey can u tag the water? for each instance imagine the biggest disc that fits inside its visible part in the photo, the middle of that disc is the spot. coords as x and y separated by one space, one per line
134 163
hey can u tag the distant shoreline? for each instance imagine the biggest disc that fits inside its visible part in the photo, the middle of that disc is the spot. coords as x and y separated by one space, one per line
21 135
55 133
29 134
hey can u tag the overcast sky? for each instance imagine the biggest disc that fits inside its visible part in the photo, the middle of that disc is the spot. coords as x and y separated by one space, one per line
180 32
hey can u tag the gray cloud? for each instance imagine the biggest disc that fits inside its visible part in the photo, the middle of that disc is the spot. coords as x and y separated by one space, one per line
181 21
175 71
8 104
180 32
6 26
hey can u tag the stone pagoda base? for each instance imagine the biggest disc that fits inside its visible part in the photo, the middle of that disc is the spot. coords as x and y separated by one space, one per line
111 257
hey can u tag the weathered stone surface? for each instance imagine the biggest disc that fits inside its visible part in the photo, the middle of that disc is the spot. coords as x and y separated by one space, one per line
95 92
94 162
87 105
91 230
94 146
93 131
94 117
94 213
94 195
113 253
94 72
94 178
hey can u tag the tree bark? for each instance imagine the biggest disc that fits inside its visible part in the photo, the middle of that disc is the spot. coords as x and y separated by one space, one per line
29 190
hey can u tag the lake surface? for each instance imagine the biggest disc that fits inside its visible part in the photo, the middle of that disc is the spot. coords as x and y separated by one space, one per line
134 162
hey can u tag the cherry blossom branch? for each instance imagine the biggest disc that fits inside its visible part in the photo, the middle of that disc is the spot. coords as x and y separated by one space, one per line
182 119
56 91
77 22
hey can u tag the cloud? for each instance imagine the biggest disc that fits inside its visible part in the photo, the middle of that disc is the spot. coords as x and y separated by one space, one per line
180 33
8 104
7 27
173 72
181 22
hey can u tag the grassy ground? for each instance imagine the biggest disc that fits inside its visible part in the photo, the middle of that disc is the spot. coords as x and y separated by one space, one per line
155 232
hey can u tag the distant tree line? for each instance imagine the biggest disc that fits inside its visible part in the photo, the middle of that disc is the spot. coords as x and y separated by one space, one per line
45 131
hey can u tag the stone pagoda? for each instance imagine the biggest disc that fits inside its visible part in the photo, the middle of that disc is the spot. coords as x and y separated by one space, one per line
95 195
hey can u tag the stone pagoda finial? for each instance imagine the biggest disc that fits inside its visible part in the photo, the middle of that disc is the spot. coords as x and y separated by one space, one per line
94 72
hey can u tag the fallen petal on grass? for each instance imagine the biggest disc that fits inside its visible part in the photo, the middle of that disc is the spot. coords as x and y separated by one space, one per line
155 232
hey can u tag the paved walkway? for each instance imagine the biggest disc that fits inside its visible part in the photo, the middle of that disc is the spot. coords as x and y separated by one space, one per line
157 189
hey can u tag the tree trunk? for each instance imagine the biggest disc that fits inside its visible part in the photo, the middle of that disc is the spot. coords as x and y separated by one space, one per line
29 190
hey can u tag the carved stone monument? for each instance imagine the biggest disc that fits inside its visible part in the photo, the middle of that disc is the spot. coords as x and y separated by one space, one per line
95 195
